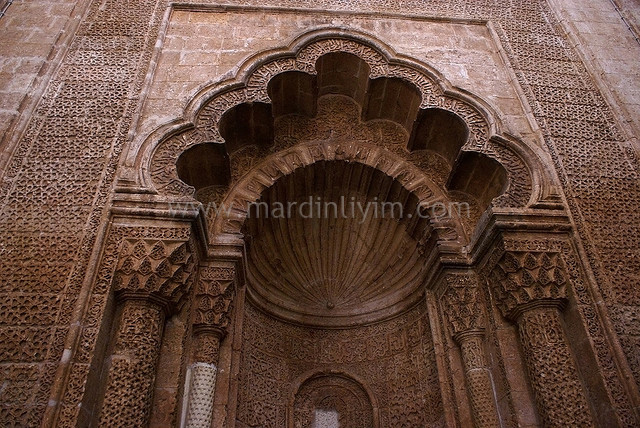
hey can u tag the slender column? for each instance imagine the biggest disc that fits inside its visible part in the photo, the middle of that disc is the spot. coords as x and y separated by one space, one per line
150 279
203 378
214 299
465 321
552 370
530 290
478 378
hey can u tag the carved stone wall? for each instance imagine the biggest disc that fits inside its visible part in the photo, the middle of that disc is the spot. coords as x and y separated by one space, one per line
462 305
53 194
78 401
395 358
332 393
132 366
596 162
58 251
531 285
214 299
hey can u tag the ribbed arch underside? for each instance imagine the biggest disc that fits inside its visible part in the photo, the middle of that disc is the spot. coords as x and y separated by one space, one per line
336 243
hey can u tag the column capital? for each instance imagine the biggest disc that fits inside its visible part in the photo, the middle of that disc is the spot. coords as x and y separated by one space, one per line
215 291
154 270
461 303
465 335
523 280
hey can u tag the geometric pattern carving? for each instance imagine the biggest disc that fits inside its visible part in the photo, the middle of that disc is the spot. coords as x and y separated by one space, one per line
556 84
212 312
394 359
164 156
214 297
201 392
560 397
463 309
288 161
478 379
150 278
461 302
524 277
55 183
132 365
155 268
530 289
332 393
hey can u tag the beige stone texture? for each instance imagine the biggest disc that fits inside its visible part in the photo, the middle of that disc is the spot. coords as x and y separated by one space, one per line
30 32
123 121
204 47
611 49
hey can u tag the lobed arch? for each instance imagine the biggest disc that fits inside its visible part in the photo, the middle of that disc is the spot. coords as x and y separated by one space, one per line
258 81
250 188
352 383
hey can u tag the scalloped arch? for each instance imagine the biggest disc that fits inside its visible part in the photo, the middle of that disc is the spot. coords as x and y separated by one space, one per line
263 176
528 177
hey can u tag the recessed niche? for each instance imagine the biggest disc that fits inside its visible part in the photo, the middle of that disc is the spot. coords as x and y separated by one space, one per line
204 165
393 99
439 130
479 176
336 243
293 92
341 73
247 124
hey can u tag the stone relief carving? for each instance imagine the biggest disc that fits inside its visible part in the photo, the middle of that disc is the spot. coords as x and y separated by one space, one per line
396 358
332 394
530 289
150 279
582 135
528 277
214 296
154 268
462 306
165 155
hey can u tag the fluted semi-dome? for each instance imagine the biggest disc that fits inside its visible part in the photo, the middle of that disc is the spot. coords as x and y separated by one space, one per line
322 252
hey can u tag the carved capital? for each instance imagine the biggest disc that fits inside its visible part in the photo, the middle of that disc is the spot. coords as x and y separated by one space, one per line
214 299
153 269
461 302
523 279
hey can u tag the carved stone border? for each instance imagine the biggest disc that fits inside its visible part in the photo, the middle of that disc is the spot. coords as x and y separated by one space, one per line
263 176
158 155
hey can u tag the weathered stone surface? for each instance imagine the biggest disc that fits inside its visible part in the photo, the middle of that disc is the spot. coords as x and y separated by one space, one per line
129 299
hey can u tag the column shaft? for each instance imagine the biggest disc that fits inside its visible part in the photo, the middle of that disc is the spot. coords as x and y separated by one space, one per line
203 380
552 371
478 379
132 365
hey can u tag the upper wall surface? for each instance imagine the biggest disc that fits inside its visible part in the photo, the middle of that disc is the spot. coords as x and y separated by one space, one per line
610 48
207 46
28 34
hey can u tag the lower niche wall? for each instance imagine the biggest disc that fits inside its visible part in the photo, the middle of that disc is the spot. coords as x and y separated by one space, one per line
394 359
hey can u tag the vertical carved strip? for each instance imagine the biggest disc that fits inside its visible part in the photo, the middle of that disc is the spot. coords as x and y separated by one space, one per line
553 373
465 320
201 392
478 377
150 279
132 365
